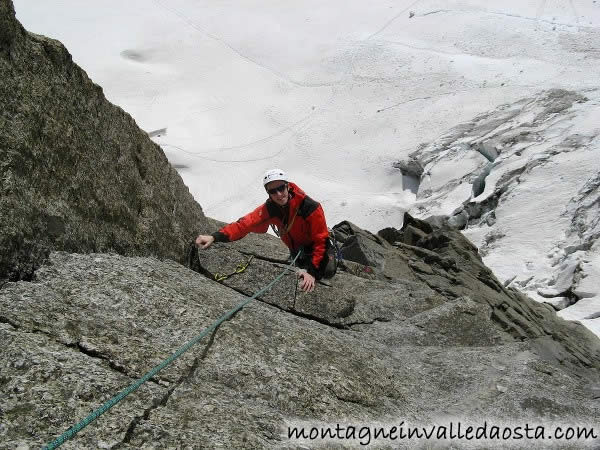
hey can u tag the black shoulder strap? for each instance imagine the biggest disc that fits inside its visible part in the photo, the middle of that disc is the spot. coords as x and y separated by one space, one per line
307 207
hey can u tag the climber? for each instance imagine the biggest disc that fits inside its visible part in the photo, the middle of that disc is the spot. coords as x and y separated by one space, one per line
296 218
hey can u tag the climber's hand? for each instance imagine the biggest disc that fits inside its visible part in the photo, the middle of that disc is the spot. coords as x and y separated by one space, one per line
204 242
307 282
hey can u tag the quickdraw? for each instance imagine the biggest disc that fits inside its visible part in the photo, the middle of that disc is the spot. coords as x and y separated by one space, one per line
338 251
239 269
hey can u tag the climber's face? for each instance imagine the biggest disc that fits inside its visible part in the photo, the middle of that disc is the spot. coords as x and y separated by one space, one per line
278 192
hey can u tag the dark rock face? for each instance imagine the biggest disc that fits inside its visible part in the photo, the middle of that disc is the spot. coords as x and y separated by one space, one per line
9 27
76 172
411 167
359 245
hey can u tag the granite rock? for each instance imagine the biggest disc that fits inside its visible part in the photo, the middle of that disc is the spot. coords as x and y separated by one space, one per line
76 172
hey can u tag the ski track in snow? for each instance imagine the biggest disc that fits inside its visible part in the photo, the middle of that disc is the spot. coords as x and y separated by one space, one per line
410 101
263 158
496 13
392 20
574 11
222 41
540 10
206 151
202 31
478 88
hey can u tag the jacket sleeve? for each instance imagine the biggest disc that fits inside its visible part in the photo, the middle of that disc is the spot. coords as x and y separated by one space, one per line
319 235
256 221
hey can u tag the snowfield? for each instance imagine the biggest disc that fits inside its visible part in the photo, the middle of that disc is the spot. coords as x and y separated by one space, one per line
498 103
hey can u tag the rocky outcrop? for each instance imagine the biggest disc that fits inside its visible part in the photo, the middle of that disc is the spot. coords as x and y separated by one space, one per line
76 172
522 183
436 340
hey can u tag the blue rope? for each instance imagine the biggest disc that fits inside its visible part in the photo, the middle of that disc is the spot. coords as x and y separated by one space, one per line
134 386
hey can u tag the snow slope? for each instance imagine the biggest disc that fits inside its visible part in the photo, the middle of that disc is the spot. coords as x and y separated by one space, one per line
337 92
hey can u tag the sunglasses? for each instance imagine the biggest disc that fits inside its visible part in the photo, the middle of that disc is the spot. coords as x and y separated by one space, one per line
277 189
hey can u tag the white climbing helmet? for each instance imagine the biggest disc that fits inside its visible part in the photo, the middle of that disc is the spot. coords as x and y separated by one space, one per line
274 175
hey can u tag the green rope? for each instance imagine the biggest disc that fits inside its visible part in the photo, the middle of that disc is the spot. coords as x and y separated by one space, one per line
134 386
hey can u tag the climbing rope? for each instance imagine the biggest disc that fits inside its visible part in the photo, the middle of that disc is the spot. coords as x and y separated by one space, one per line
239 269
135 386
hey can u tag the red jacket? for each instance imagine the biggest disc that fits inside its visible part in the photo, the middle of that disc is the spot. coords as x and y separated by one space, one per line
308 226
